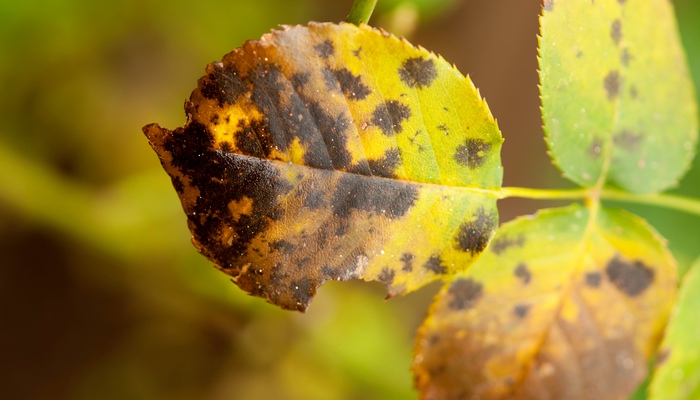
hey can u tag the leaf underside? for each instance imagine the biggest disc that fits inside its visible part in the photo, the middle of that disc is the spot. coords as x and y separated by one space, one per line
330 152
563 305
616 93
677 376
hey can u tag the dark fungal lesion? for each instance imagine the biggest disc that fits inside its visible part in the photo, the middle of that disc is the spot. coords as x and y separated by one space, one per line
593 279
503 243
418 72
473 236
378 196
521 310
522 272
325 49
464 294
387 165
407 260
434 265
390 115
351 85
223 83
616 31
611 83
630 277
472 153
386 276
628 140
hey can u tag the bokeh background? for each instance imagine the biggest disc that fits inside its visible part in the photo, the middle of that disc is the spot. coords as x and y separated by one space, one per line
102 296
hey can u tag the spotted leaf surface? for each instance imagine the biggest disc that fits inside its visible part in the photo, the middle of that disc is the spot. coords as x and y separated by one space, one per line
616 93
563 305
677 375
330 152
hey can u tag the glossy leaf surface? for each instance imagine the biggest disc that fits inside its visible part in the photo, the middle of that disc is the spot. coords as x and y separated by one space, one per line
616 93
331 152
678 366
562 305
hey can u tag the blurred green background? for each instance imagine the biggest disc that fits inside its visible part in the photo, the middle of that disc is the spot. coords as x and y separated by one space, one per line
102 295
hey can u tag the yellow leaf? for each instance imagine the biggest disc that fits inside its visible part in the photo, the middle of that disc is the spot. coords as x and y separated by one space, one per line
330 152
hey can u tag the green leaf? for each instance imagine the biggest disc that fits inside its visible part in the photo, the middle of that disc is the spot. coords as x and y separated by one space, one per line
678 367
617 97
568 304
332 152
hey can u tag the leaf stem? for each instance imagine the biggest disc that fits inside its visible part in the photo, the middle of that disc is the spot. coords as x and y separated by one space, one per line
361 11
679 203
543 194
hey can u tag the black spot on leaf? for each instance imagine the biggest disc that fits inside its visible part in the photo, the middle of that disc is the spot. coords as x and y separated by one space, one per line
472 153
254 139
178 185
418 72
628 140
386 165
299 80
434 264
503 243
389 116
303 291
473 236
625 57
223 84
464 294
407 260
611 83
379 196
351 85
386 276
282 246
616 31
520 310
522 272
593 279
325 49
631 278
596 148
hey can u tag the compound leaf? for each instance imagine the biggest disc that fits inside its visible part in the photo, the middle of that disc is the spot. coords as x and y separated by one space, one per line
616 93
566 305
678 365
330 152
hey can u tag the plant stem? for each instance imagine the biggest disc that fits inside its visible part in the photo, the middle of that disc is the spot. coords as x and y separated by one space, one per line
543 194
679 203
361 11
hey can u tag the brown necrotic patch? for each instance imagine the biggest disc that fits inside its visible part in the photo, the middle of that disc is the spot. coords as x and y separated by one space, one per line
472 153
616 31
223 83
628 140
593 279
473 236
631 278
464 293
625 57
596 148
325 49
503 243
407 260
611 83
386 165
378 196
253 139
224 179
434 265
521 310
418 72
350 84
523 273
389 116
386 276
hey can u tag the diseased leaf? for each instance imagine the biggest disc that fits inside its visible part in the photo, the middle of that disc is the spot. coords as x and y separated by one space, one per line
563 305
332 152
678 365
615 89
